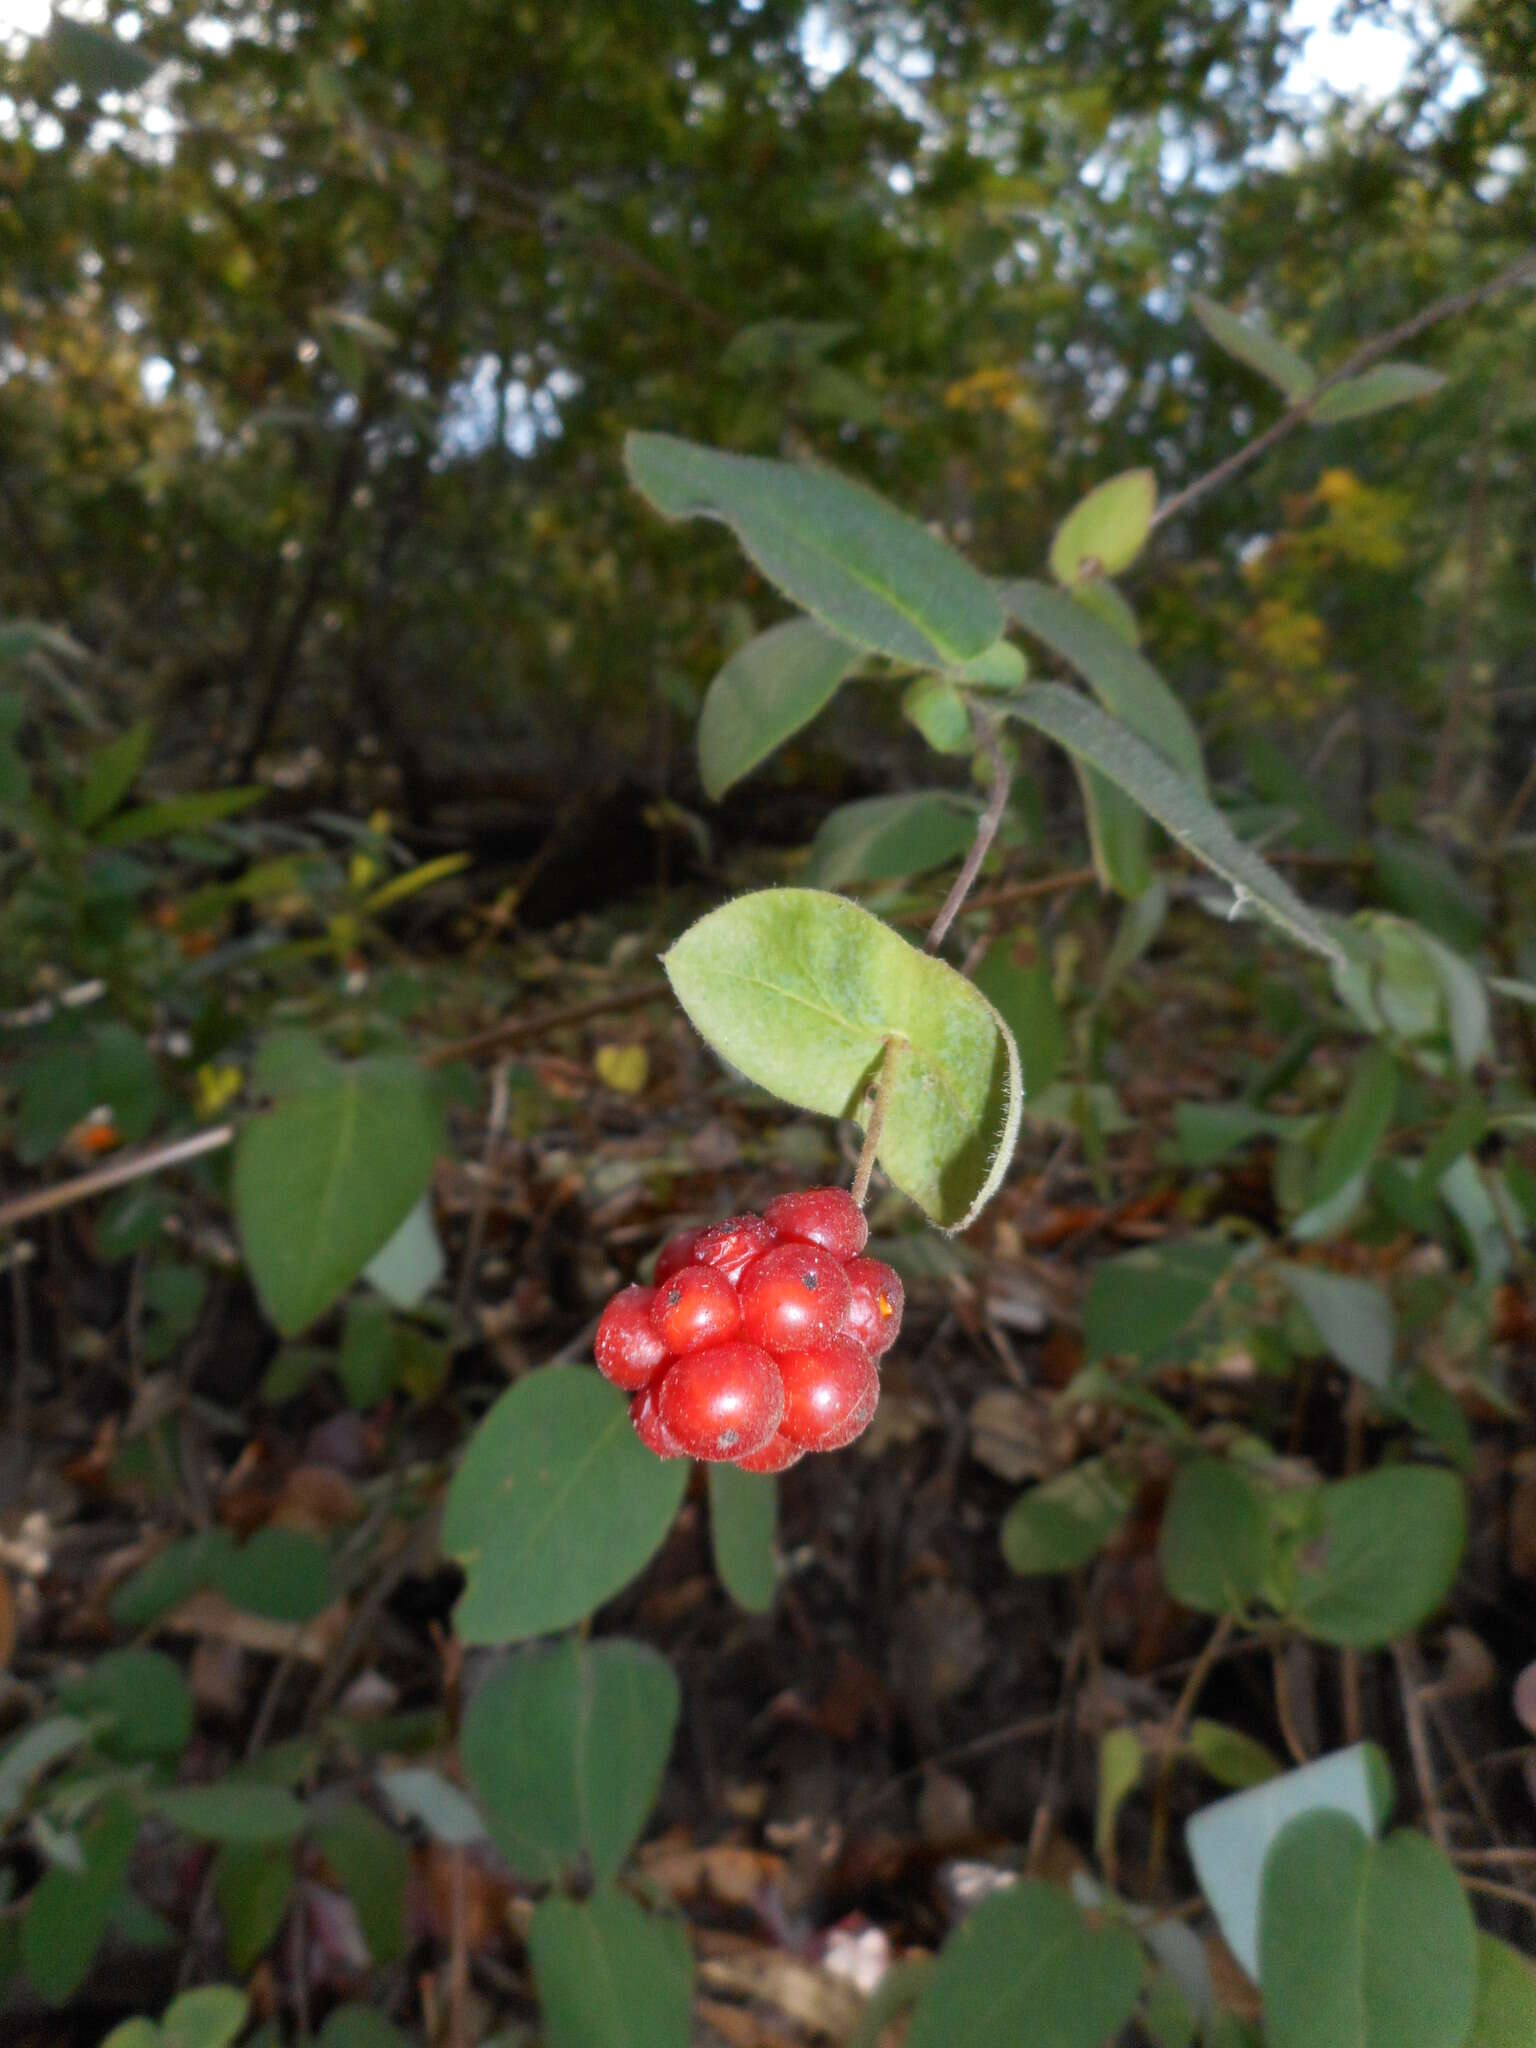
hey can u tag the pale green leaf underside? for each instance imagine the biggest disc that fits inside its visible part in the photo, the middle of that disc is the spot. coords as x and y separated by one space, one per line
1106 531
765 693
865 570
1374 391
887 838
1079 726
799 991
1257 347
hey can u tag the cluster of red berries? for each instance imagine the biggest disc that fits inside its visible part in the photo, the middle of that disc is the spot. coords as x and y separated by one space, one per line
758 1341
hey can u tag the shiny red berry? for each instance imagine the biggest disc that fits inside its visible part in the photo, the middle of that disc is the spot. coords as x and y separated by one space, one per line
776 1456
731 1246
674 1254
723 1403
793 1297
829 1217
627 1348
826 1392
878 1299
695 1307
645 1414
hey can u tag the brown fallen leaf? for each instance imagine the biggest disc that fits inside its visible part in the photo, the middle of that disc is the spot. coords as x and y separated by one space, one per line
209 1614
1009 1434
798 1990
316 1500
730 1873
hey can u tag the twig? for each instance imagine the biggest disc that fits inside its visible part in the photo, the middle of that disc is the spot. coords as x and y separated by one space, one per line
517 1029
1369 352
986 828
1059 884
1173 1736
474 1237
133 1166
875 1128
1509 1893
1418 1744
458 1951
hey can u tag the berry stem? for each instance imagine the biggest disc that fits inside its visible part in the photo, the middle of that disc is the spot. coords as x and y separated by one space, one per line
987 825
876 1124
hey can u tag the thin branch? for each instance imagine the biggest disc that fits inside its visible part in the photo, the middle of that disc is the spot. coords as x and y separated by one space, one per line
1173 1739
987 825
1369 352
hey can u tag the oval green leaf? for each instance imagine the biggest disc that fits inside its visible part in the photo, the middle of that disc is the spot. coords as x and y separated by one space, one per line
1380 1555
1353 1319
865 570
1065 1521
1107 530
1177 805
743 1513
609 1975
766 692
1027 1967
1257 347
147 1702
1506 1997
1375 390
1214 1544
888 838
556 1505
1363 1944
68 1912
564 1749
800 991
323 1181
232 1812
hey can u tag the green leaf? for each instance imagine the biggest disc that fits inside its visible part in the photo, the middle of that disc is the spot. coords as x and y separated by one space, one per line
1229 1841
998 667
1357 1129
1231 1757
209 2017
1373 391
1363 1944
1256 347
1121 1758
939 712
230 1811
609 1975
766 692
323 1181
742 1517
1027 1967
410 1265
145 1698
1177 805
555 1506
365 1364
1353 1318
1023 996
1119 836
374 1870
1107 530
1109 606
95 60
565 1749
360 2026
1141 1302
1214 1546
442 1809
1207 1132
133 2034
253 1886
33 1751
178 1572
1066 1521
111 775
68 1912
1381 1554
887 838
1506 1997
1125 683
282 1574
842 554
799 991
177 814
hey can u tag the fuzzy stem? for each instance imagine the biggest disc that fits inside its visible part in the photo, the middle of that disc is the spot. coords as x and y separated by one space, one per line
876 1126
986 828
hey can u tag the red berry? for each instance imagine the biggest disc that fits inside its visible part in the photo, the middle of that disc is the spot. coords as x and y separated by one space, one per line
674 1254
731 1246
722 1403
776 1456
645 1414
627 1348
878 1299
826 1391
793 1297
694 1308
829 1217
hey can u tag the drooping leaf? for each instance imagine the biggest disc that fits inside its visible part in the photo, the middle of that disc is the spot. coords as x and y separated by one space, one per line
742 1521
1214 1544
1358 1127
1066 1521
1352 1317
253 1884
1119 835
1229 1841
324 1180
863 569
373 1867
887 838
765 693
1026 1966
111 774
609 1975
176 814
1381 1554
1363 1944
1107 530
565 1749
1373 391
1125 682
800 991
68 1911
233 1811
1177 805
1257 347
555 1505
146 1700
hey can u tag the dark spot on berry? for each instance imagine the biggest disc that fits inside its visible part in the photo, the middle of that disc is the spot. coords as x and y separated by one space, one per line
730 1440
808 1282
